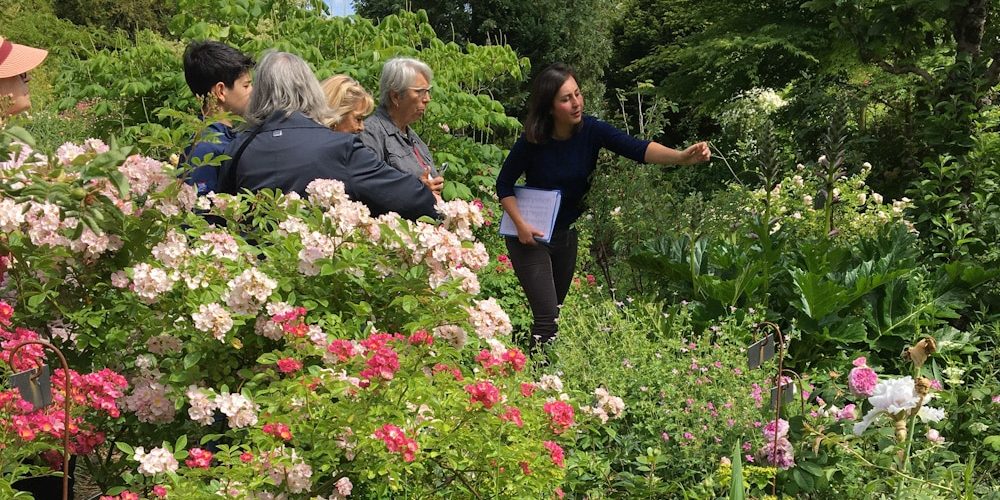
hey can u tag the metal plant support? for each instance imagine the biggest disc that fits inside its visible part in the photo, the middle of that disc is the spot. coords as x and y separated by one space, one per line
67 401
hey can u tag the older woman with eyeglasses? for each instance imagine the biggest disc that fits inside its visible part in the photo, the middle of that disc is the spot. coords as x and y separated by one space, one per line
15 63
404 91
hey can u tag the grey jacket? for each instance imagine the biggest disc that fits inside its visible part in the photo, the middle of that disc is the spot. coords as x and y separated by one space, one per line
394 146
289 153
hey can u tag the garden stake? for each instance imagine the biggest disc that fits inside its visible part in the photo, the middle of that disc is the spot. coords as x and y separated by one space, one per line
777 401
67 401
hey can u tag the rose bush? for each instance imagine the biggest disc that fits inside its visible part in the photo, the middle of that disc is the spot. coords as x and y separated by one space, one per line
305 347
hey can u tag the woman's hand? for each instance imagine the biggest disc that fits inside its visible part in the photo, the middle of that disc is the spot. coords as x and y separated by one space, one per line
695 153
435 184
526 234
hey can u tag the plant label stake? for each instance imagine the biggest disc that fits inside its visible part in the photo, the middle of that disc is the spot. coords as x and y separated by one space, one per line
35 386
760 351
67 399
787 393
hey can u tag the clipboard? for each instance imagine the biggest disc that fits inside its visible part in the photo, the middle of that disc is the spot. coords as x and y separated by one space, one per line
538 207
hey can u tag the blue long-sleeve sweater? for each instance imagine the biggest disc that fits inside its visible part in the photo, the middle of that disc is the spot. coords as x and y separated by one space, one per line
566 165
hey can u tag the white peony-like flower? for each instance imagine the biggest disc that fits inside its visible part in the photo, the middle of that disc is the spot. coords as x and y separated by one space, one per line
893 396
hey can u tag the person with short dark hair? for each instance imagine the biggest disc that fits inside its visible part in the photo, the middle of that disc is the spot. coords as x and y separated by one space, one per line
287 145
15 63
558 150
219 75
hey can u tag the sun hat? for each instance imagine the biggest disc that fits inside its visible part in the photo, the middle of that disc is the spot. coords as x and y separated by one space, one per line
16 59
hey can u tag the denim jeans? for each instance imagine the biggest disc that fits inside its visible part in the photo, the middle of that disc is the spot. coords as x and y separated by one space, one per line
545 272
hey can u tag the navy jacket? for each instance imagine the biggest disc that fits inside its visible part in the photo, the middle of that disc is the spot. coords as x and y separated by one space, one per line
289 153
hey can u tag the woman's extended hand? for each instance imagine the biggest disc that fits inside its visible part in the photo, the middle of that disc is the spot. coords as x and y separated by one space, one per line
695 153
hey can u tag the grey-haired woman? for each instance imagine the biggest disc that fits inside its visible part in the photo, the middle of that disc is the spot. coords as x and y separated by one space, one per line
287 146
404 91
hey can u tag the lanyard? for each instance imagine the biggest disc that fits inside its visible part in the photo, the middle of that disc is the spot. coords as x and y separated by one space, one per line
420 159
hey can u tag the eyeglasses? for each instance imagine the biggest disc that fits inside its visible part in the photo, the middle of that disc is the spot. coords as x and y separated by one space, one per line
24 77
421 92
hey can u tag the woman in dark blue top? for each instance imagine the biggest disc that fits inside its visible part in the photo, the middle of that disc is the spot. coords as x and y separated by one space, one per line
558 150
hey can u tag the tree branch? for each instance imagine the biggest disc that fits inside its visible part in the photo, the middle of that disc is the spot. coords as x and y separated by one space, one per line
992 75
904 70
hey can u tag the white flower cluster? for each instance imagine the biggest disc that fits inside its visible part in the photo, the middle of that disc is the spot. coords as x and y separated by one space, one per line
896 397
149 400
489 319
214 319
451 334
238 408
157 461
607 406
150 282
248 291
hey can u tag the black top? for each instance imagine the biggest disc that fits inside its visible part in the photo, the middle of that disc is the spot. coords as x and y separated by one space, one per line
290 152
566 165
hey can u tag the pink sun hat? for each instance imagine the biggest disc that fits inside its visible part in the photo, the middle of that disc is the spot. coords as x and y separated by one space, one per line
16 59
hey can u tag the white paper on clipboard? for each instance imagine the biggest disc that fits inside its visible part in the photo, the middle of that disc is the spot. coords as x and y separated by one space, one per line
538 207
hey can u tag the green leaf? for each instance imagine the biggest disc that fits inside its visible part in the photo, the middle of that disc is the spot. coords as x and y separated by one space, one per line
736 491
811 468
125 448
192 359
181 443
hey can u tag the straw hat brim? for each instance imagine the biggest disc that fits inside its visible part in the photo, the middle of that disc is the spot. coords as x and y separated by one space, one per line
21 60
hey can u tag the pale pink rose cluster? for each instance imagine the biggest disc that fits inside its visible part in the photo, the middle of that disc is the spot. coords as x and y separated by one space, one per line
248 291
269 328
219 244
241 412
348 216
157 461
149 400
327 192
91 245
489 319
607 406
172 250
214 319
287 468
69 152
451 334
461 217
44 221
11 215
21 155
202 405
550 382
150 282
144 174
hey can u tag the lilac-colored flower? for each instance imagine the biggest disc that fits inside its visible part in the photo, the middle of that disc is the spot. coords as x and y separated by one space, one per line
778 454
782 429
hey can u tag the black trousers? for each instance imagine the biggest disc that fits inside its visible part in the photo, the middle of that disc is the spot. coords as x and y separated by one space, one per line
545 272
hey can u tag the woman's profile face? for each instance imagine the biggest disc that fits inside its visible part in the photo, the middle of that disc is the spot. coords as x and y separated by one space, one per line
354 121
16 89
567 106
412 102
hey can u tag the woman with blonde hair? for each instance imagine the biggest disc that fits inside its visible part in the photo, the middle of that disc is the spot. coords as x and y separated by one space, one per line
349 103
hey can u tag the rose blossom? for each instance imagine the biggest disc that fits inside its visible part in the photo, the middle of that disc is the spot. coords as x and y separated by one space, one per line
862 379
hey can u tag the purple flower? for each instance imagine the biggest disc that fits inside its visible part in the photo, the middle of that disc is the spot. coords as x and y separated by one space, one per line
778 454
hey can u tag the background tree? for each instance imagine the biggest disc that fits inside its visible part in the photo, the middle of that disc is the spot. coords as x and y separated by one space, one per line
544 31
